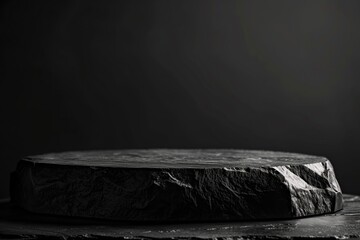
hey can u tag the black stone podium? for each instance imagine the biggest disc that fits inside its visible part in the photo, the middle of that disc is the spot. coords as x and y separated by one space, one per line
177 194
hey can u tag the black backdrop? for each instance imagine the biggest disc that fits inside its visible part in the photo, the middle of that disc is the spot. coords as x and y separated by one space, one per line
275 75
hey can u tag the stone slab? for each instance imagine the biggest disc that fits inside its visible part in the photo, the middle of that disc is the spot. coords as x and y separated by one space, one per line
177 185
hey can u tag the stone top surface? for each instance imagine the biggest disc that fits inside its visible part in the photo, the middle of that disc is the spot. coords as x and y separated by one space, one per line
171 158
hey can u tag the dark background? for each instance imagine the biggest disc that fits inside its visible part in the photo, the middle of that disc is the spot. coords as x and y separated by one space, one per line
276 75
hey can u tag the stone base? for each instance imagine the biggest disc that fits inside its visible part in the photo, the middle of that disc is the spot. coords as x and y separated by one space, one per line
16 223
177 185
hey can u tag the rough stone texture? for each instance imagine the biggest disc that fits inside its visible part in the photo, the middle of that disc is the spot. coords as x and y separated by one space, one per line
16 223
177 185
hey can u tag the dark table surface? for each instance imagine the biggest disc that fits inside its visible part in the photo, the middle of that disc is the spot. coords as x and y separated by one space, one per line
16 223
